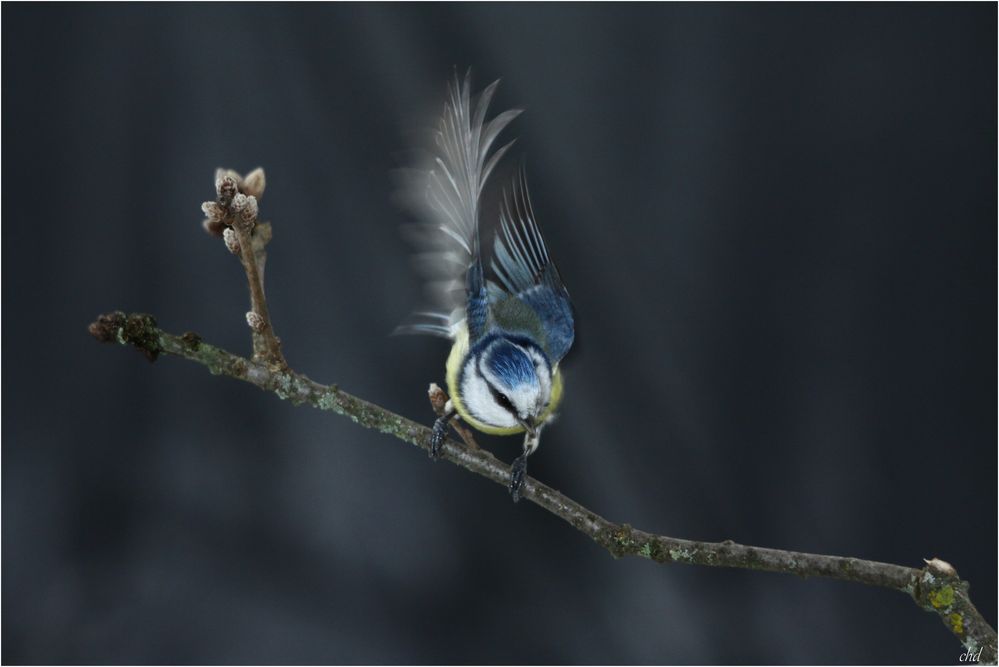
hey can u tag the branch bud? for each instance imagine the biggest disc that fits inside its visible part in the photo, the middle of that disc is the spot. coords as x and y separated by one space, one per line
254 183
238 202
249 210
255 321
214 212
231 241
213 227
940 567
221 174
245 212
227 189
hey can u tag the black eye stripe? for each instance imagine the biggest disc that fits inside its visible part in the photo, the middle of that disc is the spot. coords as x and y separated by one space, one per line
503 400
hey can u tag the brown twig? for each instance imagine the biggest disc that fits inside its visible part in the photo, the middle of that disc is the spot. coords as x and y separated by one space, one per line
233 215
935 587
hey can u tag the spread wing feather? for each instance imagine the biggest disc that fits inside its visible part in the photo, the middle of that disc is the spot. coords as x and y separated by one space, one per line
520 254
523 267
445 193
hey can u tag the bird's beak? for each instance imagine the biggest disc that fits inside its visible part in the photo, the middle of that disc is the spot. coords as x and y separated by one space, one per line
529 426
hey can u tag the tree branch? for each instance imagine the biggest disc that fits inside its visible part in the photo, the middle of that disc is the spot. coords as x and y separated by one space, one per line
935 587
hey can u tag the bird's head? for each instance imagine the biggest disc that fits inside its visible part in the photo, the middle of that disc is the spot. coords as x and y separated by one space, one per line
507 383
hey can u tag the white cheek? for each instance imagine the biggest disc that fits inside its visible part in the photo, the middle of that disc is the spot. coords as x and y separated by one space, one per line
479 401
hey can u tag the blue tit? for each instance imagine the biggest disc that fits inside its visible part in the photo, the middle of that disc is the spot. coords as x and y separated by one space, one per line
511 329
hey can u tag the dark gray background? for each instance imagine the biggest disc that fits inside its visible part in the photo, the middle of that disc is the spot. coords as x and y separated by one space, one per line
779 227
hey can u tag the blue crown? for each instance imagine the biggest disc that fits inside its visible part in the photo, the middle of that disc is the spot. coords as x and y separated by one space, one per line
509 363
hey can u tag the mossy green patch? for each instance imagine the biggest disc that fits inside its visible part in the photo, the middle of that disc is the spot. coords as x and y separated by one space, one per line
942 598
957 623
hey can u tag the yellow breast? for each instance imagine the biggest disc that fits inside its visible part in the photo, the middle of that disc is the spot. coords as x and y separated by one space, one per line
454 362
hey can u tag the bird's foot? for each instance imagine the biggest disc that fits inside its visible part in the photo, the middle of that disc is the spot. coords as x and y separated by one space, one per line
439 434
518 472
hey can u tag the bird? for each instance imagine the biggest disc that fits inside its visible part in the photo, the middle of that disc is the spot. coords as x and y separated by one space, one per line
511 325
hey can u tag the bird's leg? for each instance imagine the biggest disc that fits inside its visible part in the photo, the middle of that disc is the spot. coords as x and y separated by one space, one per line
441 404
439 434
518 470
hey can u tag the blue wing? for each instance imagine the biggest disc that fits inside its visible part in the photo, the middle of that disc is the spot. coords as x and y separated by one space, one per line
524 268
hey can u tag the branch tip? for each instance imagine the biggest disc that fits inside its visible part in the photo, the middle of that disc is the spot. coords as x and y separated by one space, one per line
138 330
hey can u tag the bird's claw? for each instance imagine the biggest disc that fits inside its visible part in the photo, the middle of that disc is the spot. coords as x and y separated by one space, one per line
518 472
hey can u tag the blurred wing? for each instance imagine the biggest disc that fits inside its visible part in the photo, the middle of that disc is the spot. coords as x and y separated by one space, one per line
523 267
445 193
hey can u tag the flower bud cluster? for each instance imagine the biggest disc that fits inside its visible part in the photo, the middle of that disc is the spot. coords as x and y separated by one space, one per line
235 206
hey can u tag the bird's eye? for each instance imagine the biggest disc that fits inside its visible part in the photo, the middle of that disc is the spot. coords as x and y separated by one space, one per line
504 401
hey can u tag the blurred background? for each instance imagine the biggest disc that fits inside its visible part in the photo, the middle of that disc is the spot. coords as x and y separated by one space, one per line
778 224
